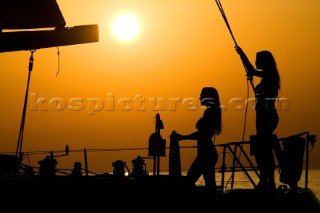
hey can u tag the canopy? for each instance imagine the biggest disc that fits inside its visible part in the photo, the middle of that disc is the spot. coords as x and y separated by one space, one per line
28 14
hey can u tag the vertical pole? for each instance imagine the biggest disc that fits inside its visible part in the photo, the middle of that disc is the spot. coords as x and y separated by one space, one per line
85 161
174 157
223 167
234 166
154 164
156 148
20 138
307 160
158 164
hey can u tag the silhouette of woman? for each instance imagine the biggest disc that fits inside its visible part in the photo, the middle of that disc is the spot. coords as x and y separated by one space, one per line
207 127
267 118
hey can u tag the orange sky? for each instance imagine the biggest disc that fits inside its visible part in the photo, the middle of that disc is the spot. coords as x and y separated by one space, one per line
184 46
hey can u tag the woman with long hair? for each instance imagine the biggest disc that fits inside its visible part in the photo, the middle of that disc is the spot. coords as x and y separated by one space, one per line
267 119
208 126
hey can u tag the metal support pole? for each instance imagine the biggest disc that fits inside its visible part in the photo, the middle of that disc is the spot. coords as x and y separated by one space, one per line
85 161
21 131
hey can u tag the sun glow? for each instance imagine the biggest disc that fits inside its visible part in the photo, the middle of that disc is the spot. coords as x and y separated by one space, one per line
126 27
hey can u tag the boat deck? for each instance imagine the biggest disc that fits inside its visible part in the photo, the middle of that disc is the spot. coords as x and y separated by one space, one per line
47 191
161 193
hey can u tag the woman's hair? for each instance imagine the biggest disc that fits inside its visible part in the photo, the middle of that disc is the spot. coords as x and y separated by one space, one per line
210 97
270 70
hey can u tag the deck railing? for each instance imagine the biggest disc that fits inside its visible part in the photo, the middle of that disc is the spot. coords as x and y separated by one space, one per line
291 154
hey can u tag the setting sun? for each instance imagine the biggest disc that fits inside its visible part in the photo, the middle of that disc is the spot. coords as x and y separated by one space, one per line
126 27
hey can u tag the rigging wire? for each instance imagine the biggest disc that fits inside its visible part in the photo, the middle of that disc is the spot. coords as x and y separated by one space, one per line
58 53
231 33
235 42
226 20
245 114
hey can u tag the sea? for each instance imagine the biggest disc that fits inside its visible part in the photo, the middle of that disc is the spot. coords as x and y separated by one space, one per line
242 181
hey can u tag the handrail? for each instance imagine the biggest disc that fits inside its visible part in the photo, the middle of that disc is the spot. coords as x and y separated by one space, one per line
236 160
233 146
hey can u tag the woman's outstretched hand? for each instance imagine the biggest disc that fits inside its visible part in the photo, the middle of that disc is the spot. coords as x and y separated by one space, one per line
175 136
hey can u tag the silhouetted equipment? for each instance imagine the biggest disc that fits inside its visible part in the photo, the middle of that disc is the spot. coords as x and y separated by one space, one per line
7 165
28 26
77 170
312 139
174 156
157 145
66 152
292 160
47 167
119 168
139 168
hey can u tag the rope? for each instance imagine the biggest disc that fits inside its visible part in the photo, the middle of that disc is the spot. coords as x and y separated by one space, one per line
226 20
235 42
230 31
58 53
